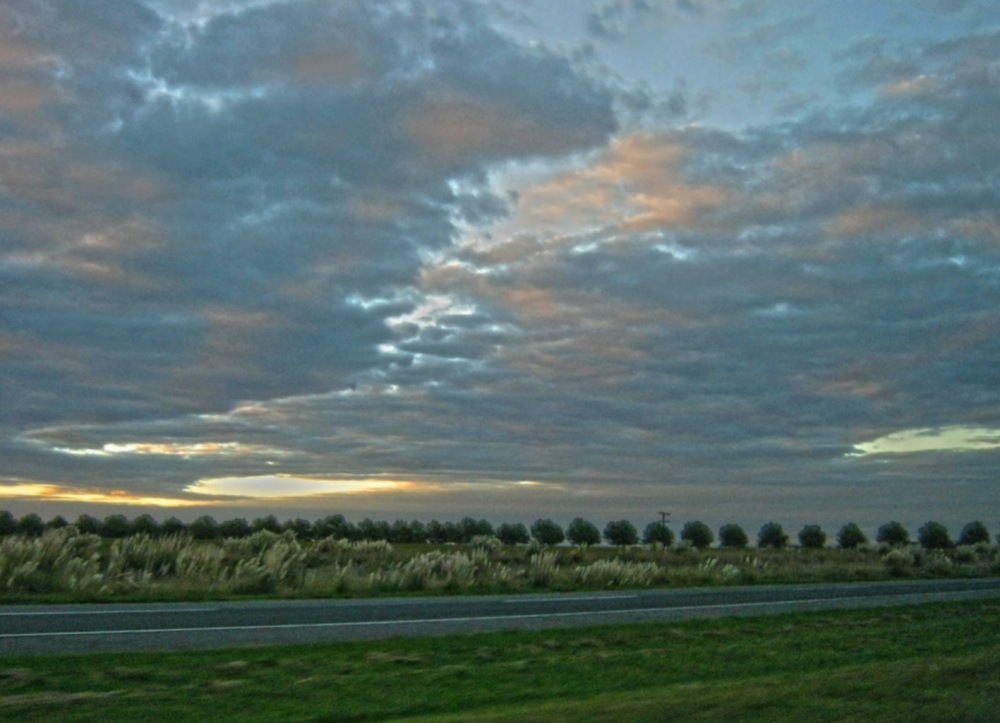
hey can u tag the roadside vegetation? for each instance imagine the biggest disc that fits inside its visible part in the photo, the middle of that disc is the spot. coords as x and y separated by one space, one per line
927 663
119 559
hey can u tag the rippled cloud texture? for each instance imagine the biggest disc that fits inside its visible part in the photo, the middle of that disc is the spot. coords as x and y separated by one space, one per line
502 258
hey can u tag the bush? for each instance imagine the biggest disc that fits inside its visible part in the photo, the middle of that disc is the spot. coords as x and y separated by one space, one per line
934 536
698 534
812 536
850 537
892 533
547 532
974 533
582 532
31 525
772 535
732 535
658 532
621 532
8 525
513 534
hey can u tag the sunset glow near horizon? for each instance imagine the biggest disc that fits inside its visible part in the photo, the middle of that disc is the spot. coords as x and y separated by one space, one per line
501 258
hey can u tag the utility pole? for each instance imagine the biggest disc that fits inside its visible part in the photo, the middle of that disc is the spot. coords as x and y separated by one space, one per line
664 517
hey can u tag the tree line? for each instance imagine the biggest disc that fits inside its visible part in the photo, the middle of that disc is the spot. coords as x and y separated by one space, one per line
932 535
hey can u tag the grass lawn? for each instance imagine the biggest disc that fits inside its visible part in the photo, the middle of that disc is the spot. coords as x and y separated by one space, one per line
921 663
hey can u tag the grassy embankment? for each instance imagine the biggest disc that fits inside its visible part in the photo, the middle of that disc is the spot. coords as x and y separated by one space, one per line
922 663
64 566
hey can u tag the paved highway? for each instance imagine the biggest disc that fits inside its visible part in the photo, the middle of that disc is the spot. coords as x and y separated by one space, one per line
83 628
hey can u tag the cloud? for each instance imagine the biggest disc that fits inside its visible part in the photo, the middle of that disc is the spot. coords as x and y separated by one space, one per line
945 439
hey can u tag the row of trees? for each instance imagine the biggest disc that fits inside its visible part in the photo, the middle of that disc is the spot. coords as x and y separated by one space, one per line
932 535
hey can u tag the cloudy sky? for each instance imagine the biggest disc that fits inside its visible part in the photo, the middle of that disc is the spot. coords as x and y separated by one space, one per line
736 259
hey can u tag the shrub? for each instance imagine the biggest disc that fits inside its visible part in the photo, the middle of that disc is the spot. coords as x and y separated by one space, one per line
513 534
974 533
115 527
850 537
812 536
934 536
8 525
892 533
31 525
772 535
732 535
658 532
698 534
547 532
621 532
582 532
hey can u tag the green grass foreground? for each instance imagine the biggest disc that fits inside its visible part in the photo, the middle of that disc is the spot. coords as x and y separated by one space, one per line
922 663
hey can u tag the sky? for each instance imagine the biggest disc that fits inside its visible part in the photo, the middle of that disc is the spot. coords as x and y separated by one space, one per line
738 260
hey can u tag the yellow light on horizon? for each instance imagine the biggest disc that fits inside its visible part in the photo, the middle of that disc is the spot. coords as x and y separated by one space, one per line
282 486
942 439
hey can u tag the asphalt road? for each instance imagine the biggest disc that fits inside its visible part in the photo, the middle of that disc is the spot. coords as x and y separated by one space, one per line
86 628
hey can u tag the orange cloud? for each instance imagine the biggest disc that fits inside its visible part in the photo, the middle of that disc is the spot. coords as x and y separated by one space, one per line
871 219
64 493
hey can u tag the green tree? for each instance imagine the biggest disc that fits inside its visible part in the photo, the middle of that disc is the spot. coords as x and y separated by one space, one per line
204 528
145 525
513 533
31 525
235 529
732 535
269 523
302 528
335 526
621 532
934 536
547 532
892 533
772 535
88 525
812 537
698 534
582 532
8 524
57 523
172 526
974 533
115 527
850 536
658 532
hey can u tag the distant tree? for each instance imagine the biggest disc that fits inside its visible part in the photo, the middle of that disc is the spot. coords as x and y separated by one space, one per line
145 525
235 529
698 534
621 532
513 534
732 535
31 525
368 529
892 533
657 532
547 532
974 533
88 525
812 536
335 526
56 523
850 536
469 528
436 533
172 526
115 527
303 529
204 528
418 531
269 523
934 536
582 532
399 532
772 535
8 524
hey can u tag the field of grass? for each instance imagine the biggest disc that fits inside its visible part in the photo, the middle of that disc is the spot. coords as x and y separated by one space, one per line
920 663
66 566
